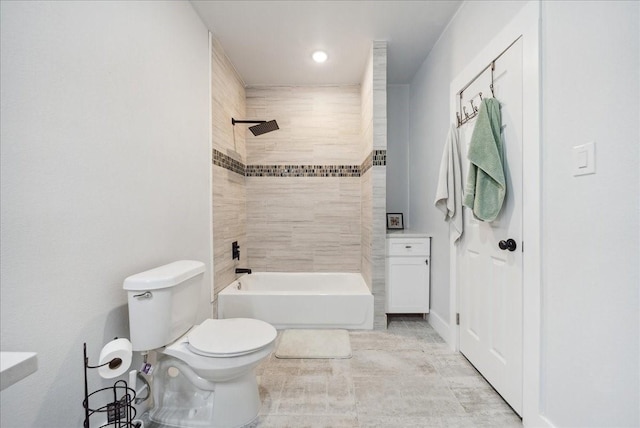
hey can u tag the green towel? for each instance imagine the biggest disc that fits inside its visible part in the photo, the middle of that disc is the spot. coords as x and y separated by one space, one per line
486 183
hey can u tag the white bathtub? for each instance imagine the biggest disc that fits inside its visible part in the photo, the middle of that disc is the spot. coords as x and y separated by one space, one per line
300 300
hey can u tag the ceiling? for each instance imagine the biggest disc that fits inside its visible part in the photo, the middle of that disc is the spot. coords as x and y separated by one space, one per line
271 42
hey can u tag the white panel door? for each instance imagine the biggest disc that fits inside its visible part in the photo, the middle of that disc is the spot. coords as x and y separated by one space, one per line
490 278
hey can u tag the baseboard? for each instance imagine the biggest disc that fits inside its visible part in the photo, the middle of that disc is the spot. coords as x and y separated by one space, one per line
537 421
440 326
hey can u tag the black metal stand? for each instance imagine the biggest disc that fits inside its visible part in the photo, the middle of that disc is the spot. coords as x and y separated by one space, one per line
119 398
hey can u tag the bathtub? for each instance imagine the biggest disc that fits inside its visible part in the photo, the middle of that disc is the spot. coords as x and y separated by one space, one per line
300 300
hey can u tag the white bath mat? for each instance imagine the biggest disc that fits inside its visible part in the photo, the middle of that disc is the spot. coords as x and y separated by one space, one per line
314 344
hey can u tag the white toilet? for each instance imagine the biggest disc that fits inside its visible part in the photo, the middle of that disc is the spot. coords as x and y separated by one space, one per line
205 375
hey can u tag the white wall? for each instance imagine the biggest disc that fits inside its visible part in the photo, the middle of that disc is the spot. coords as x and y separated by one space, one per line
429 123
105 166
398 150
591 88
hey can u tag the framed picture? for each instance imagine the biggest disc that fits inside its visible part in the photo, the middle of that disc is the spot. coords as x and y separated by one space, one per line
395 221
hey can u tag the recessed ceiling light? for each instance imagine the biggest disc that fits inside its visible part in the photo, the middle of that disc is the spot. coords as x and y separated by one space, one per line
319 56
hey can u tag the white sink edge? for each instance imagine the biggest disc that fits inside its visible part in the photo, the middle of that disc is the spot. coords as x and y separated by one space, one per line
15 366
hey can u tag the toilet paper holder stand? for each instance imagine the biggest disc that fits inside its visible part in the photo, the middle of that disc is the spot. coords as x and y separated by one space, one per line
119 399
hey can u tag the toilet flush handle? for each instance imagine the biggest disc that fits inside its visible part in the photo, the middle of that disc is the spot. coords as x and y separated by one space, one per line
145 295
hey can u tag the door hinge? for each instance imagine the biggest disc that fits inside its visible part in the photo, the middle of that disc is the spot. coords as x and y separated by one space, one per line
457 319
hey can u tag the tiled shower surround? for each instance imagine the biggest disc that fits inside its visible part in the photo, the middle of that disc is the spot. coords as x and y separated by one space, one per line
325 194
229 193
373 181
303 224
302 198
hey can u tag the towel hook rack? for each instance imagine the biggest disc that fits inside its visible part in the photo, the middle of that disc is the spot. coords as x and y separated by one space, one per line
464 116
493 67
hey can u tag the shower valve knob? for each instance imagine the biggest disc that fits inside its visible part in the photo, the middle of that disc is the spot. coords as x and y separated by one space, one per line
509 244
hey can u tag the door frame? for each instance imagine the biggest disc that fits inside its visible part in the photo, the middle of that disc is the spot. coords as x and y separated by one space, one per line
526 25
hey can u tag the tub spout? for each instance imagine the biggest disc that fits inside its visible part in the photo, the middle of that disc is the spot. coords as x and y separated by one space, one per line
243 270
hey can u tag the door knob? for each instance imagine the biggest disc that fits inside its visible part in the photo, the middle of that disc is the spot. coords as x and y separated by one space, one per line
509 244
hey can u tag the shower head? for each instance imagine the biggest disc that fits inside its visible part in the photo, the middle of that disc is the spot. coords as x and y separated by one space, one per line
262 126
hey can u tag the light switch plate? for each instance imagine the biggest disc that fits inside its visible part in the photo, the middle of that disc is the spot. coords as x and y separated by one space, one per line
584 159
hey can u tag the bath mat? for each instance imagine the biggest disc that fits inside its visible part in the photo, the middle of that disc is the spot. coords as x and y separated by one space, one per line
314 344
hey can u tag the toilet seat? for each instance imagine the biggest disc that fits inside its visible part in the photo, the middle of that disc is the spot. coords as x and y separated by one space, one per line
230 337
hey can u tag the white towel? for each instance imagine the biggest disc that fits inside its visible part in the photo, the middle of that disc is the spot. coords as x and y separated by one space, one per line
449 191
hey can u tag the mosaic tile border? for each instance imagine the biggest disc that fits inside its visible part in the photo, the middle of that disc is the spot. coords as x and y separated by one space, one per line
302 171
366 164
379 158
375 158
227 162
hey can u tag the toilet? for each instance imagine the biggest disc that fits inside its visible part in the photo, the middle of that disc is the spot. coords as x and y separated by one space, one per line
204 375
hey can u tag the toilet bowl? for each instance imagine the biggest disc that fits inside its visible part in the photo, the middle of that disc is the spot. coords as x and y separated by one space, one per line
204 376
217 358
220 350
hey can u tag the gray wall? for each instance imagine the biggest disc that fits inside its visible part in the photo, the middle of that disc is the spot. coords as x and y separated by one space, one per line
104 172
590 303
398 150
591 88
429 123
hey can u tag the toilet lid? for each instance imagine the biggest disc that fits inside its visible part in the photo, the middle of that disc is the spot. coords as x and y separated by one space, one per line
230 337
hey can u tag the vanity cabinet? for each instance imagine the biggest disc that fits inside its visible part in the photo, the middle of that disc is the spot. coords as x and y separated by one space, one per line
407 273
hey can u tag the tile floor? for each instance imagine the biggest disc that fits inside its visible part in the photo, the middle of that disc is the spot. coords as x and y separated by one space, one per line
403 377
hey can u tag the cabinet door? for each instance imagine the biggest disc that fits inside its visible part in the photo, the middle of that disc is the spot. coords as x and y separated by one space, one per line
408 285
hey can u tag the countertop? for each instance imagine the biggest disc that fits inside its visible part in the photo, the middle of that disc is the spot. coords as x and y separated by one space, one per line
15 366
407 233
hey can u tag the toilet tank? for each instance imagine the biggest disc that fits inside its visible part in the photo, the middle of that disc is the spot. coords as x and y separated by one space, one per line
163 303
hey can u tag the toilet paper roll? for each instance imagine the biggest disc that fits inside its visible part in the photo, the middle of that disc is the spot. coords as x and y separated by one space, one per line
117 354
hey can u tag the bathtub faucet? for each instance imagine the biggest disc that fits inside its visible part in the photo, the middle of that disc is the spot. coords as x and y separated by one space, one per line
243 270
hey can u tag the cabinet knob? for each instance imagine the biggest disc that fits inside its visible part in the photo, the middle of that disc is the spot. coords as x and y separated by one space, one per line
407 246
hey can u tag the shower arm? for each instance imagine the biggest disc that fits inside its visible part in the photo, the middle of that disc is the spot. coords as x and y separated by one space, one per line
234 121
